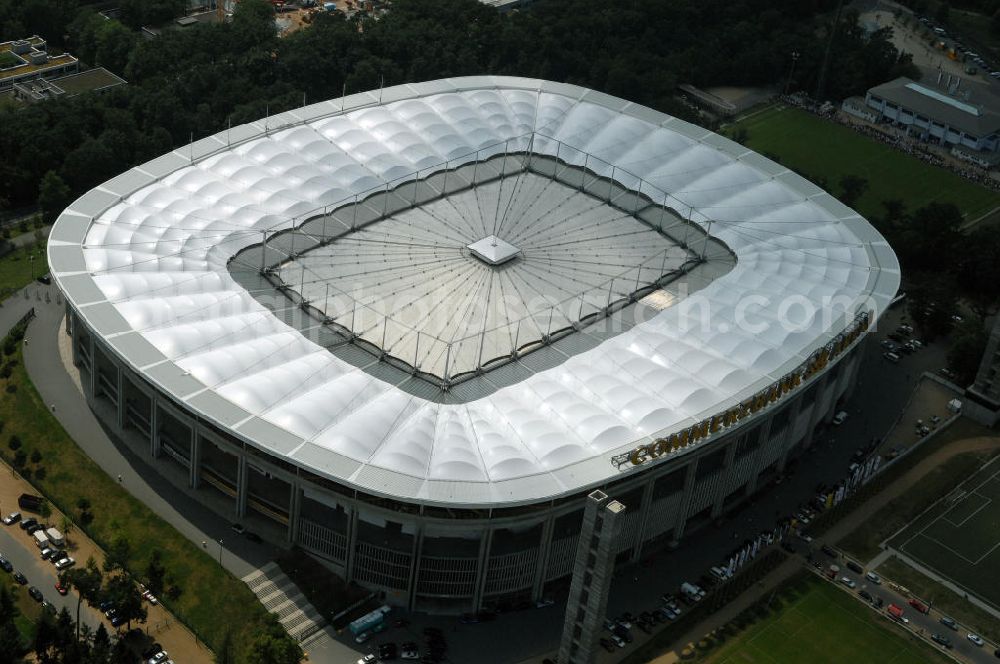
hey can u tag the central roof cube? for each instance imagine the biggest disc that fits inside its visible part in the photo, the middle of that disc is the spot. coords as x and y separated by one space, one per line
493 250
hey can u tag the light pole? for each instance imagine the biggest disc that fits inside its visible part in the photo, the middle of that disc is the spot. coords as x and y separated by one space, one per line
220 551
791 71
31 264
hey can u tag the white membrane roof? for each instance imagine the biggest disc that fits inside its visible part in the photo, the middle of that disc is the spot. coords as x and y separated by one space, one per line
143 259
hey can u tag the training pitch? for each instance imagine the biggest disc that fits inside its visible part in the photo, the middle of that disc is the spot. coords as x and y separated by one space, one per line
824 625
958 538
818 148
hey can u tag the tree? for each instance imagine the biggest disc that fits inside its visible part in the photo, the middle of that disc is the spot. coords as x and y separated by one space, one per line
225 653
53 196
155 573
122 592
88 581
852 187
118 555
966 351
273 646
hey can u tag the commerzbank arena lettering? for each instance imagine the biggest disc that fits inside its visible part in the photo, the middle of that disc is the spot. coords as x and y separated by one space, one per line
773 393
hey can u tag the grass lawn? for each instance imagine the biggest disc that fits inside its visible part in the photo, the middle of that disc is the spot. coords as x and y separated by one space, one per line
16 269
211 601
944 599
821 624
864 541
818 148
29 609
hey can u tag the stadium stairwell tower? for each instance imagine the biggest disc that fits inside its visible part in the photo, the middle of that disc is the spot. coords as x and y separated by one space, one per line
592 572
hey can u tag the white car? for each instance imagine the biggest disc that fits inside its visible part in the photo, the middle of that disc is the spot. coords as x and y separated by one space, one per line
618 641
848 582
840 417
362 637
158 657
149 597
64 563
367 659
874 578
976 640
11 518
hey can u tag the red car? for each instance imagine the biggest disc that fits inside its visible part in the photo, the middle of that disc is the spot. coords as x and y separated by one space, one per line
919 606
60 588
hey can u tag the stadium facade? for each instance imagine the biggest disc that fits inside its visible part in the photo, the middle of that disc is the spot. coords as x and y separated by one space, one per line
416 327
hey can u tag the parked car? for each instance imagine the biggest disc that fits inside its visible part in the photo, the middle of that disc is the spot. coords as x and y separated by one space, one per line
65 563
618 641
28 523
855 567
874 578
829 550
865 595
11 518
848 582
941 640
60 588
918 605
238 528
35 594
949 623
20 578
607 645
976 640
6 565
840 418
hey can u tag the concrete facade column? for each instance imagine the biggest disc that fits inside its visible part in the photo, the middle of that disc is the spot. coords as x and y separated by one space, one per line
194 457
542 562
242 488
690 474
416 556
725 486
352 540
120 405
154 430
93 367
640 526
816 414
294 509
485 544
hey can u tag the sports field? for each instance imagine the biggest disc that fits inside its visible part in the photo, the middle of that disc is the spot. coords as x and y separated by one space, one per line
825 625
819 148
959 537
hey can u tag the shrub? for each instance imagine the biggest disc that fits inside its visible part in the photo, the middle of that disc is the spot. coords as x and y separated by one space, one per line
14 442
36 456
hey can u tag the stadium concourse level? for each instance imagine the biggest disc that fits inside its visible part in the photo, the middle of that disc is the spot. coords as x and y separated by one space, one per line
451 498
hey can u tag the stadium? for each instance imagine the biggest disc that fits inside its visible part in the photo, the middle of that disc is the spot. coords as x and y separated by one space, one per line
409 330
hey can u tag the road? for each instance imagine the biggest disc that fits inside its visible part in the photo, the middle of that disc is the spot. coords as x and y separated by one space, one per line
921 624
18 549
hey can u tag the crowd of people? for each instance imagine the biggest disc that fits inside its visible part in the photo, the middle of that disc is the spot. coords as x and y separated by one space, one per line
896 139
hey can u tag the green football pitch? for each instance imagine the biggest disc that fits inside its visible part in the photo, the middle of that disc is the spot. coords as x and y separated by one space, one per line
825 625
959 537
819 148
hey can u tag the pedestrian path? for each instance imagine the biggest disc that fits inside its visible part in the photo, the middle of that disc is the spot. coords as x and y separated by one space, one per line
282 597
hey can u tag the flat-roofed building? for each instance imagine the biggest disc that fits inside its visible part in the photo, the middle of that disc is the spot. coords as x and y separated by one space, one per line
948 110
23 60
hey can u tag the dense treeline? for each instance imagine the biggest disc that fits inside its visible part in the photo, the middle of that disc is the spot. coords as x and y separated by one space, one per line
191 82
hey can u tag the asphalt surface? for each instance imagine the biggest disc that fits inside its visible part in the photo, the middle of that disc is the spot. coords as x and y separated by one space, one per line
25 557
919 623
879 397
